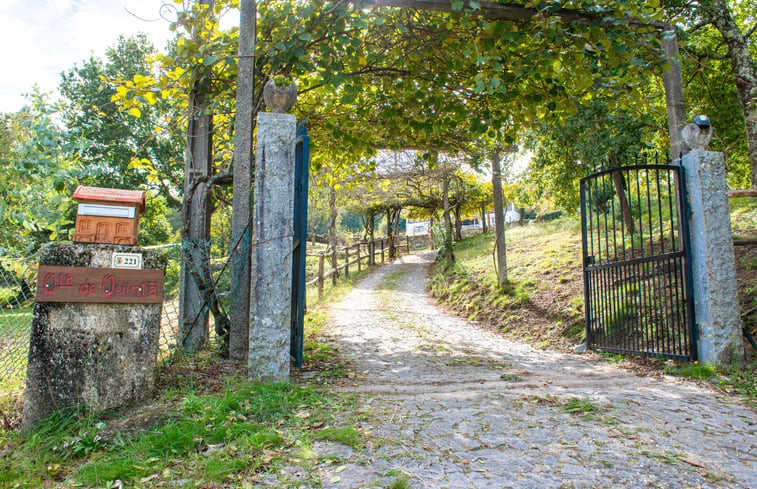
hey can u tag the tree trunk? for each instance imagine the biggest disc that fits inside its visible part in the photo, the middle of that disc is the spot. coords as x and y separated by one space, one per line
500 250
241 231
744 70
448 253
431 232
199 157
332 228
619 182
392 218
484 225
458 224
397 224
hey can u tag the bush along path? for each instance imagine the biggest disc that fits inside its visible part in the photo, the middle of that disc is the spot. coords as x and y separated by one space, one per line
443 403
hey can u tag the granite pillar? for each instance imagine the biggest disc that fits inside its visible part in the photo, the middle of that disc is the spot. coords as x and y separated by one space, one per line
271 263
716 301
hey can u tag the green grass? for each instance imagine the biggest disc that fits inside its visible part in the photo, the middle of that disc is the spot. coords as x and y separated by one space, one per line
580 406
542 259
401 482
347 435
692 370
208 437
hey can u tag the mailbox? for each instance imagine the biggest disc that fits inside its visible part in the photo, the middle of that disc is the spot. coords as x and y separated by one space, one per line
108 215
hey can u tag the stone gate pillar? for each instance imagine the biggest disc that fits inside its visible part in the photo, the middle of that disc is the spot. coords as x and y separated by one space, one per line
271 264
716 301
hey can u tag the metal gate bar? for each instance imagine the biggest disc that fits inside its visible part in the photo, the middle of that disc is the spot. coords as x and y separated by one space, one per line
637 281
299 243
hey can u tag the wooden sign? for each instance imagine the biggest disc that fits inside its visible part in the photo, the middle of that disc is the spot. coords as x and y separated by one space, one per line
106 285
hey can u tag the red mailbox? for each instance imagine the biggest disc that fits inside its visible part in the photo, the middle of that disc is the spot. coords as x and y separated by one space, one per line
108 215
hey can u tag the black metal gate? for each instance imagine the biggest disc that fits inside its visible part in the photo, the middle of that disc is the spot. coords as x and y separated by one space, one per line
301 173
636 261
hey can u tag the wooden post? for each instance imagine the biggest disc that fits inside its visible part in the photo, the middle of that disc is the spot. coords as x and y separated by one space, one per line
382 251
334 266
347 262
321 262
407 238
358 256
372 253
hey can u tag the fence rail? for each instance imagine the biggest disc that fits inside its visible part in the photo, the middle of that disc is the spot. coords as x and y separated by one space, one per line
372 250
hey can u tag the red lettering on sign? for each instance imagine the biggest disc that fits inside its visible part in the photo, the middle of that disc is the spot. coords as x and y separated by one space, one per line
71 284
54 281
108 285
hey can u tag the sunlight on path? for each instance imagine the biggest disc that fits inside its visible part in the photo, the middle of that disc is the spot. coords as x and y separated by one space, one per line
451 405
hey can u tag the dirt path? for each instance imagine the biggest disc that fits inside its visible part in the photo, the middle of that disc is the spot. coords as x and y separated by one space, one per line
451 405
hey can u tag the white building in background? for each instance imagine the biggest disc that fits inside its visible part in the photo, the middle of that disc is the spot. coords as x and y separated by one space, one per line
421 227
417 228
512 214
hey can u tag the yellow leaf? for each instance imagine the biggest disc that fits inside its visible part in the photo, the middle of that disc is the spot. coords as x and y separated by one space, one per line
140 79
135 112
362 61
335 479
165 93
151 98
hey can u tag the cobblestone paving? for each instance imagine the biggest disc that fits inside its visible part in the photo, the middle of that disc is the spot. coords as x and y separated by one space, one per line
448 404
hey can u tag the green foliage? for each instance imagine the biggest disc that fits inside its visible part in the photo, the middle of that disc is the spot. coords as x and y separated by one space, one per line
693 370
401 482
123 151
579 406
565 153
154 227
40 172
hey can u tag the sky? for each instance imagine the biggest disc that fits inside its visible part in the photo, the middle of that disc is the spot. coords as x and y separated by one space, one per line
42 38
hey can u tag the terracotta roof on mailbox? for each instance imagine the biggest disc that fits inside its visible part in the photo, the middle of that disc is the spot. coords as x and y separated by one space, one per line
111 196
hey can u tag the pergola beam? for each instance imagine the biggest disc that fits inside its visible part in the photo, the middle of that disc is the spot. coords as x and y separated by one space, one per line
507 11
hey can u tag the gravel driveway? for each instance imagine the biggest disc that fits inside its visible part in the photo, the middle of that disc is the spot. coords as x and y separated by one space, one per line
448 404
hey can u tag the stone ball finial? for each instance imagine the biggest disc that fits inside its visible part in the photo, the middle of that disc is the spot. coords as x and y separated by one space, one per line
697 135
279 99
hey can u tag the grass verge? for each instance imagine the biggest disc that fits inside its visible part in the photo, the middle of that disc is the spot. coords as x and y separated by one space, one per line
542 303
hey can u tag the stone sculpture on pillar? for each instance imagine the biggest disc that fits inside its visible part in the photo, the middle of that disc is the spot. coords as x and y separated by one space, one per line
279 100
697 135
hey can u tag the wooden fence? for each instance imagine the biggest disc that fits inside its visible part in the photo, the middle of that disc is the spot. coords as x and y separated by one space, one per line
353 256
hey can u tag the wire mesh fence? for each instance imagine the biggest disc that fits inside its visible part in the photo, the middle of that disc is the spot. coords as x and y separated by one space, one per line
16 301
192 320
207 262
